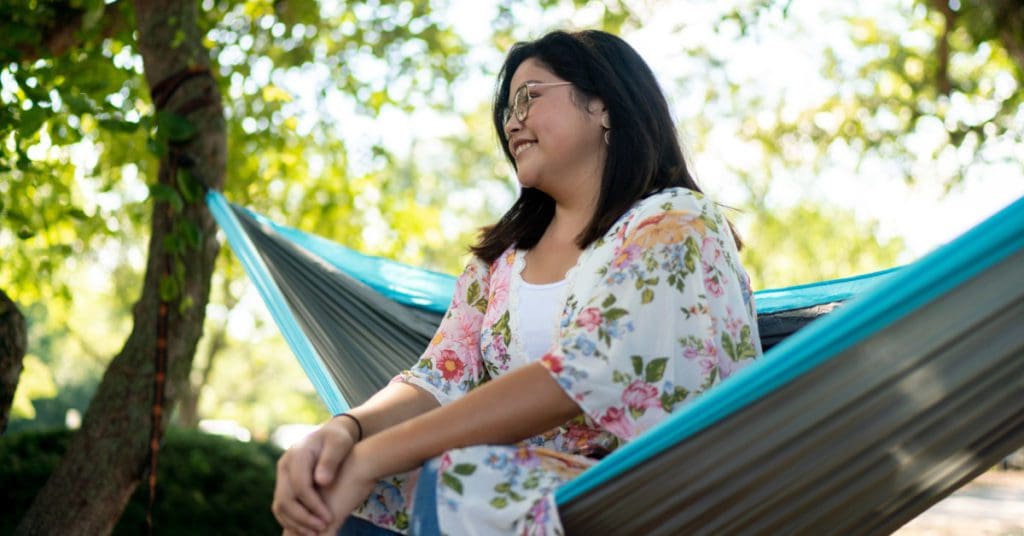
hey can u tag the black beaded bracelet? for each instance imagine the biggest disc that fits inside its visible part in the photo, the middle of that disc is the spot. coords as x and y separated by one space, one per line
359 425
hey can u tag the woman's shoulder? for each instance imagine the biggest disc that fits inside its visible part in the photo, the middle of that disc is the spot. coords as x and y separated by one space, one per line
677 200
672 199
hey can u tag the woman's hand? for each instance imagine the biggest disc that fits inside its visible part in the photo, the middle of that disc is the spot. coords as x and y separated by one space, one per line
358 475
311 464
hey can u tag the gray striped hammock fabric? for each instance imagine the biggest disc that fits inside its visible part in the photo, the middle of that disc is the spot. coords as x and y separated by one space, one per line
877 396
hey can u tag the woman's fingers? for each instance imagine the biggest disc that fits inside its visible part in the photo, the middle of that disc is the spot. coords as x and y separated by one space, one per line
337 443
298 470
290 513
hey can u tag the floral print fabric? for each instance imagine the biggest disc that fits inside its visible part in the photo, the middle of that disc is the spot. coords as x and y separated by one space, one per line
656 312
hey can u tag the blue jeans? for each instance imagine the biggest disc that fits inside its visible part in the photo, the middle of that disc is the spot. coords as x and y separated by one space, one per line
424 515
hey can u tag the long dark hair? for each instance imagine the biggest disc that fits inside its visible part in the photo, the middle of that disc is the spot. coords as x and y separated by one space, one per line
644 155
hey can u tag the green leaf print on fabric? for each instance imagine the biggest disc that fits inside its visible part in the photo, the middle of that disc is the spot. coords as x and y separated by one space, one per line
655 370
464 469
475 298
448 480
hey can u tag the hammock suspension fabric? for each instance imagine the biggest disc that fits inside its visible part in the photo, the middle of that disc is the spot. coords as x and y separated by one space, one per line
857 423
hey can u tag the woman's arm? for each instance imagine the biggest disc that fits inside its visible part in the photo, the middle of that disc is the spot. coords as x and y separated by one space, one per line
314 462
513 407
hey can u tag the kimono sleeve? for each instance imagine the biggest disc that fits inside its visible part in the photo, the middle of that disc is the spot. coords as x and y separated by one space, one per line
661 318
452 364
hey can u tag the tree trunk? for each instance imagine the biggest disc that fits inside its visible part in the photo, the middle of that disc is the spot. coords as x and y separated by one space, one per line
12 351
107 457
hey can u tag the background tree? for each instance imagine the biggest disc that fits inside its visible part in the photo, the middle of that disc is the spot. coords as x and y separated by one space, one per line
13 340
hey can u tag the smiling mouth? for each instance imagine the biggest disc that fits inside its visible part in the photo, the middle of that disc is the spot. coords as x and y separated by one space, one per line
522 147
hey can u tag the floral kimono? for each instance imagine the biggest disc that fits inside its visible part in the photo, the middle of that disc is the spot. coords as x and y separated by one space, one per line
656 312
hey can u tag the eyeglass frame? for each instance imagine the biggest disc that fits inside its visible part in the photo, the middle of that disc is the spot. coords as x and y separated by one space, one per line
514 110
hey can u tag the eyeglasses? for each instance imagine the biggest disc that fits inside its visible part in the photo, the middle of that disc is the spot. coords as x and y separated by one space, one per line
520 104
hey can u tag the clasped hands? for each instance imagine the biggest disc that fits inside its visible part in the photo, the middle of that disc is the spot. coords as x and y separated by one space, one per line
322 480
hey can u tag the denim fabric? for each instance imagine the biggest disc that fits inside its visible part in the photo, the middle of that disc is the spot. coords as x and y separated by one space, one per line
360 527
424 512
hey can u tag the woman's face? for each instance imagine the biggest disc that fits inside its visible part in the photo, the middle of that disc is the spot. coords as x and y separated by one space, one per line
559 147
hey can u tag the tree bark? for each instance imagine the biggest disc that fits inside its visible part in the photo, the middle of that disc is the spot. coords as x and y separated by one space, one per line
13 342
107 457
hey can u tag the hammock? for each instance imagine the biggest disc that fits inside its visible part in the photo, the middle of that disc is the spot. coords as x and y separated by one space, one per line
859 422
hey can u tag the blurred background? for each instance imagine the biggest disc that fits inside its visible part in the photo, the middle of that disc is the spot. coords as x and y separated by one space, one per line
845 137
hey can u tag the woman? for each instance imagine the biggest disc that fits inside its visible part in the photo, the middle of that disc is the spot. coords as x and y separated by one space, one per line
608 295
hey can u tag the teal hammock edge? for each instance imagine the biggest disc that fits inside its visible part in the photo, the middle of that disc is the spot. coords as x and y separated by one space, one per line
896 296
433 291
810 294
268 290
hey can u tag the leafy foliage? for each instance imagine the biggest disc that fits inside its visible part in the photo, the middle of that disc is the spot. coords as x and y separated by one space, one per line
207 483
936 89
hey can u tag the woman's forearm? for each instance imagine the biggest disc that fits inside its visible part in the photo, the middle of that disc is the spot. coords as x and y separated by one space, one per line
518 405
391 405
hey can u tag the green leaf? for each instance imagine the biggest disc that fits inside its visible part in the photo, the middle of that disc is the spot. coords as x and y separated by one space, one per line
728 346
638 365
119 125
499 502
156 147
166 194
614 314
503 487
31 120
464 469
647 296
78 104
173 127
655 370
188 186
473 292
401 520
74 213
608 302
25 233
452 482
172 244
168 288
190 233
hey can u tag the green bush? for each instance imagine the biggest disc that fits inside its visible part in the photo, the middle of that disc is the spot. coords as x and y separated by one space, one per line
206 484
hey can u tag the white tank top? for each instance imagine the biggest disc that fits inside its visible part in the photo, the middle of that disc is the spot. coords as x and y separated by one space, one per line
539 310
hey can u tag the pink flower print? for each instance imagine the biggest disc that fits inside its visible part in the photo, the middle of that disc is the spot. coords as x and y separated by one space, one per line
712 286
499 293
710 251
450 365
690 352
710 348
465 331
640 395
578 437
446 463
614 420
734 325
552 362
707 365
589 318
